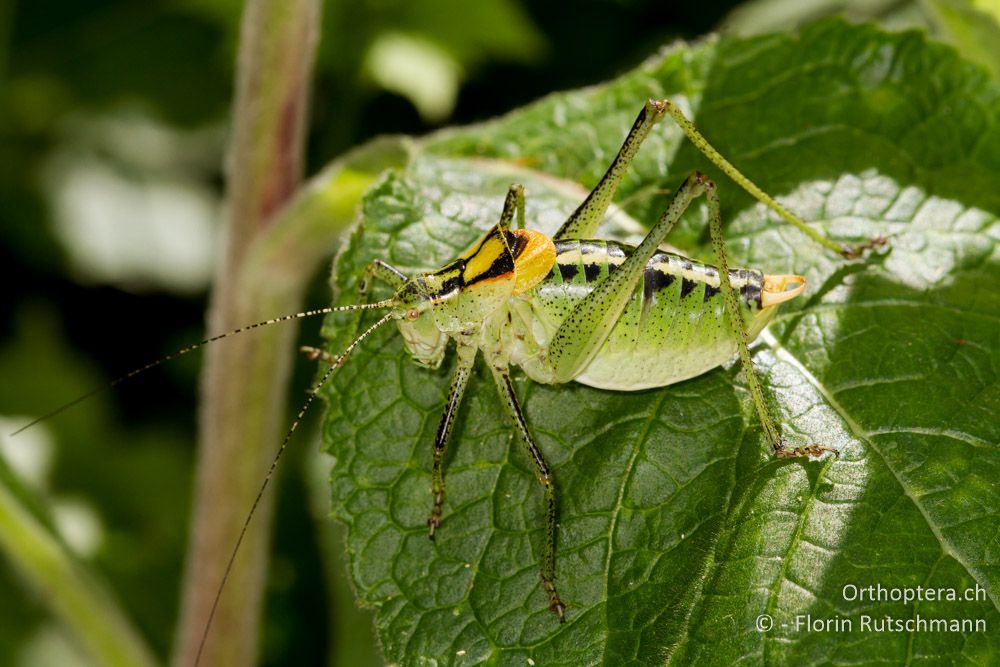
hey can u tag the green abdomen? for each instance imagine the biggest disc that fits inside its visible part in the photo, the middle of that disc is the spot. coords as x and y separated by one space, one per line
673 328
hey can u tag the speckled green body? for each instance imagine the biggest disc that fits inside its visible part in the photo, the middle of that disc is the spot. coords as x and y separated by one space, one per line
673 328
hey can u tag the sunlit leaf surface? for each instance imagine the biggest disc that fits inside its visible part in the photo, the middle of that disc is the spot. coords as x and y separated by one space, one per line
676 529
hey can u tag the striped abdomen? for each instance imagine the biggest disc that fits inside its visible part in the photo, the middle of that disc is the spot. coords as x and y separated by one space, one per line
673 328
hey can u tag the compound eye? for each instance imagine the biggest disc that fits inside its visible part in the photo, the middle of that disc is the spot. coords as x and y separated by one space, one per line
412 314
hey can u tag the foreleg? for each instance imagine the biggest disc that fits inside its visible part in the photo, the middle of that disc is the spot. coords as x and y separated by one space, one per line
466 360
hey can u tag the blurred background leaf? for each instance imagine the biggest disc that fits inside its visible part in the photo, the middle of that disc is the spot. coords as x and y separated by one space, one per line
971 26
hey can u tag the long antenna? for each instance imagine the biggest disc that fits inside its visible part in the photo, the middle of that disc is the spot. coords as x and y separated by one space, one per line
337 363
190 348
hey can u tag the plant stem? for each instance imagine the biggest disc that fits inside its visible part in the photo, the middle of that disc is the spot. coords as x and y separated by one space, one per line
245 380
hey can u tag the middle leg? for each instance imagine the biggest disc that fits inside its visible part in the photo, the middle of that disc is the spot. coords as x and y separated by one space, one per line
506 390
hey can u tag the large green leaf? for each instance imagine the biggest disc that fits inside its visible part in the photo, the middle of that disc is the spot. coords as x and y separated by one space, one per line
676 529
